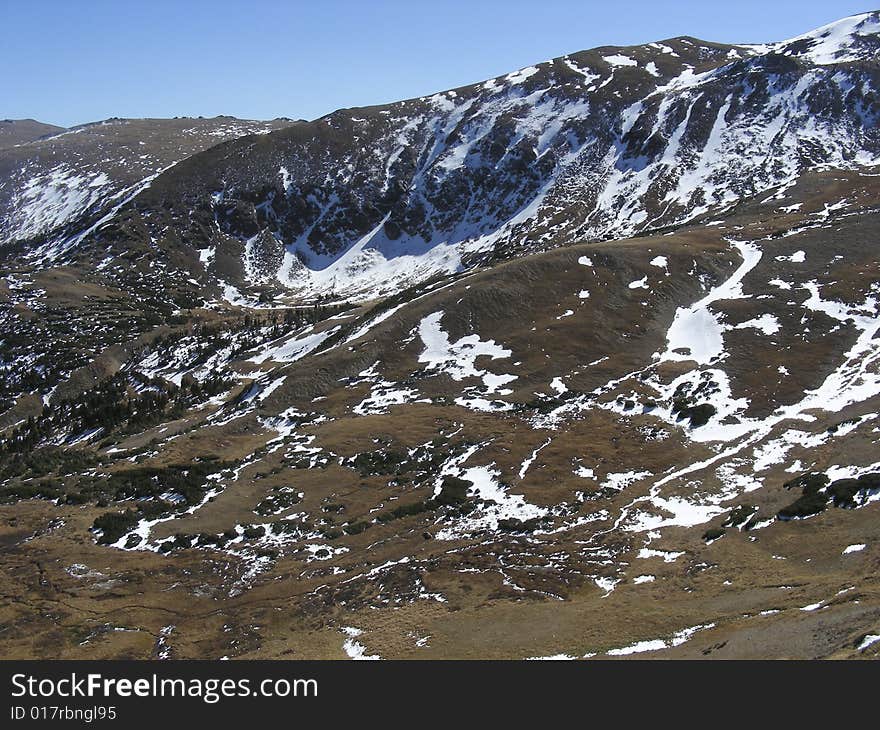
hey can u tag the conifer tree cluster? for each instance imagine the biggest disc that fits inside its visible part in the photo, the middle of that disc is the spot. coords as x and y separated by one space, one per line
126 401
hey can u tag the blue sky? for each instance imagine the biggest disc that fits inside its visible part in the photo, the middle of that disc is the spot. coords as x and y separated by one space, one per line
74 61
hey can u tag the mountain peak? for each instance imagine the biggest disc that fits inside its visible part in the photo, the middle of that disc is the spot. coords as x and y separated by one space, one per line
854 38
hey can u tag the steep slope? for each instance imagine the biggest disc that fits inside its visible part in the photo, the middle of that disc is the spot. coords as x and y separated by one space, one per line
604 143
55 185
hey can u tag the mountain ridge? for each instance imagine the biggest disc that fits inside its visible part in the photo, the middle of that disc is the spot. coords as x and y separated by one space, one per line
444 213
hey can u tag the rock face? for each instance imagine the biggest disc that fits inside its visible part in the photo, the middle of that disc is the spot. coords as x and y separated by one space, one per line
590 349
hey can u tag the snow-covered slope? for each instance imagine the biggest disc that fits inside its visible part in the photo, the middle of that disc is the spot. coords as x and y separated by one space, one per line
52 178
607 142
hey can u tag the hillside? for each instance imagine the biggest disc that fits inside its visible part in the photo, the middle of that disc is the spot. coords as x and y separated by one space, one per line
589 350
56 183
14 132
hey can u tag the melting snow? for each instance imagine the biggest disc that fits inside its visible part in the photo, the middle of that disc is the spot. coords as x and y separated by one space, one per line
499 504
679 638
355 649
667 555
766 323
696 332
619 60
624 479
458 359
529 461
293 348
854 548
798 257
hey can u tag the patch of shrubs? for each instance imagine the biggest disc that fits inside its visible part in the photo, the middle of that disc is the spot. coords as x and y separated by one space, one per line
698 415
406 510
371 463
280 499
421 463
356 528
453 491
812 500
114 403
738 515
178 542
685 400
113 525
146 484
42 490
542 405
844 492
207 539
519 526
453 494
254 532
46 460
286 527
816 492
186 480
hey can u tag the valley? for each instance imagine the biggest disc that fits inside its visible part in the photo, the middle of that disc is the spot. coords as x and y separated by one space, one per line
580 362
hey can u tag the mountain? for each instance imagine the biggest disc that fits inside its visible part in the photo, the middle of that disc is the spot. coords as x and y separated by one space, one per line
609 142
589 350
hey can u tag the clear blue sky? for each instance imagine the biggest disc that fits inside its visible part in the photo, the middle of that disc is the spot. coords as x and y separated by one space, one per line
74 61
